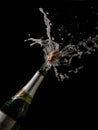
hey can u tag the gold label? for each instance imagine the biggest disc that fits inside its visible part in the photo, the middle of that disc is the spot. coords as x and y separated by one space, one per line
23 95
6 122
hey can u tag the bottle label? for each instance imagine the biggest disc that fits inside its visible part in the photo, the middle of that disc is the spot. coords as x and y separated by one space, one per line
6 122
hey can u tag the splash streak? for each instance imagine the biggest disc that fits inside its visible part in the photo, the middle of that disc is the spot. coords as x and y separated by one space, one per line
56 57
47 23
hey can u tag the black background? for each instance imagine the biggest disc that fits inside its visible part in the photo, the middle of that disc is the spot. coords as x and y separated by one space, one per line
55 102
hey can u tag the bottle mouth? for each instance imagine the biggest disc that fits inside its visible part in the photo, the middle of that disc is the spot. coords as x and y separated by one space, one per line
44 69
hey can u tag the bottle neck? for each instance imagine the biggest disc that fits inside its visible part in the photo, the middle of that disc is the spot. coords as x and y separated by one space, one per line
31 87
33 84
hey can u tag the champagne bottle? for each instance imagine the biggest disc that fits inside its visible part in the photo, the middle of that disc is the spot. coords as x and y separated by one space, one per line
16 108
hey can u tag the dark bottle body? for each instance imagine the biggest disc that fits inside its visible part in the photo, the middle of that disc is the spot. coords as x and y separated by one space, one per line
15 109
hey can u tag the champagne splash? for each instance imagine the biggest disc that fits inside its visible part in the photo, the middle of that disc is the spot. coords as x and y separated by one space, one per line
47 23
56 57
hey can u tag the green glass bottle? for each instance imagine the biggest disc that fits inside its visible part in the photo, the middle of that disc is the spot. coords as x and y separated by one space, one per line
15 109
